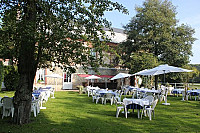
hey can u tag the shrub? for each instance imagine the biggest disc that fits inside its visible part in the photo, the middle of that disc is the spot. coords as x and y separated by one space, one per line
11 78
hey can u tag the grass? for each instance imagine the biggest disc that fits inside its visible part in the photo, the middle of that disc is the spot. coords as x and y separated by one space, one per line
71 112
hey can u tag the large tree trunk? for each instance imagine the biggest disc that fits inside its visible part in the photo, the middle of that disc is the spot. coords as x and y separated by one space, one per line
27 65
22 99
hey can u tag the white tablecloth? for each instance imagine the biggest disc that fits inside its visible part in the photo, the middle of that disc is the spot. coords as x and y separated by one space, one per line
140 102
148 90
195 90
179 91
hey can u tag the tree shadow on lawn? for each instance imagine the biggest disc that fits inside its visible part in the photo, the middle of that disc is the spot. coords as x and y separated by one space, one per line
72 124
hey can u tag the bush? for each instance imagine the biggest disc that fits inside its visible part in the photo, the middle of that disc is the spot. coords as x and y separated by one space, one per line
11 78
80 89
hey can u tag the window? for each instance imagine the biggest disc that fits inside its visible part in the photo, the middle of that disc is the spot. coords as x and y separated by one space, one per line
67 77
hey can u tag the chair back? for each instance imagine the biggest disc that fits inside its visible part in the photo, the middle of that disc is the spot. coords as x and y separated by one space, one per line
183 93
154 104
134 94
108 95
150 98
7 102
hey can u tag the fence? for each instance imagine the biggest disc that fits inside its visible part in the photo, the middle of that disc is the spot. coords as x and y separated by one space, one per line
182 85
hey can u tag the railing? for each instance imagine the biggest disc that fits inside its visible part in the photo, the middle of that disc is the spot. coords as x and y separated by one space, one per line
182 85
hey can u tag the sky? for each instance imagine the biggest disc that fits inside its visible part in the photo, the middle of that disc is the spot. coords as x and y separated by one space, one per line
187 13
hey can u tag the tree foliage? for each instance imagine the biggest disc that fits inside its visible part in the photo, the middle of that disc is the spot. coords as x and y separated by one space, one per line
11 78
35 33
140 61
58 30
154 29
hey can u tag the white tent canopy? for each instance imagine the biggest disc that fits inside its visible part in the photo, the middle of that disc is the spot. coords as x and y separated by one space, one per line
120 76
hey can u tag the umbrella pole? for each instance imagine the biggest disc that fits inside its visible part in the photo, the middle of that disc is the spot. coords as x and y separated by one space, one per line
55 88
164 77
156 82
106 83
56 85
166 91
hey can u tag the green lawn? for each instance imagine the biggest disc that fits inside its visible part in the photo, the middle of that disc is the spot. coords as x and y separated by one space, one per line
71 112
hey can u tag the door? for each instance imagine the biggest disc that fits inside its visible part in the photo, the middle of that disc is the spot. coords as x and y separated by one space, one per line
67 81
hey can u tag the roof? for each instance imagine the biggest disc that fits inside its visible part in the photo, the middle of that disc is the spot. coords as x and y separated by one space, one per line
118 37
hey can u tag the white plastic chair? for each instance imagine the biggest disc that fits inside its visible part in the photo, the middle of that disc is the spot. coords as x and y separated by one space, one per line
134 95
7 106
108 96
34 107
38 102
117 97
150 98
150 110
119 108
52 91
96 97
162 95
41 99
0 103
184 95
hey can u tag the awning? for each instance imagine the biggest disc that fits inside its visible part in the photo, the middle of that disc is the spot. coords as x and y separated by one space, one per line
102 76
105 76
84 75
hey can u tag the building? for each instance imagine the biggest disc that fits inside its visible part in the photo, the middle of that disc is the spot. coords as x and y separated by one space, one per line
71 81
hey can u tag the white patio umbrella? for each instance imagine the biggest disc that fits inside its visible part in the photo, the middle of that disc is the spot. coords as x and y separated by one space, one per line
163 69
55 76
121 76
140 72
92 77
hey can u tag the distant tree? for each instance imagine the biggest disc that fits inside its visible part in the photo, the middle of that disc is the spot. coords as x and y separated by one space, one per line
36 33
140 61
196 76
154 29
